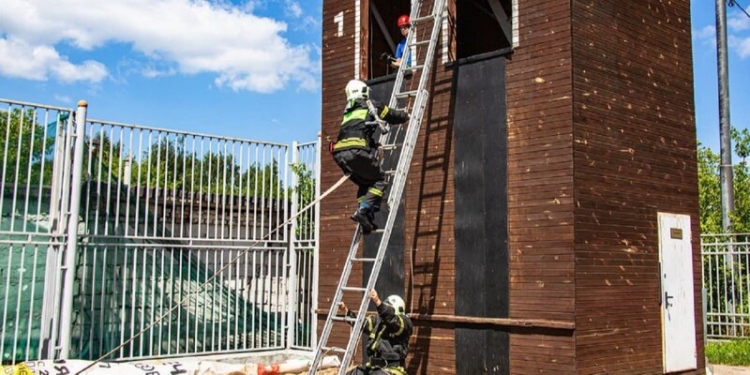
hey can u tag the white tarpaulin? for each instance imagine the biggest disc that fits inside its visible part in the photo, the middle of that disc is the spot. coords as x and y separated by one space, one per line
166 367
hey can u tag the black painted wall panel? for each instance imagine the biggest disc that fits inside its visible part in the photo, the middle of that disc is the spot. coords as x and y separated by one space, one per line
482 282
392 272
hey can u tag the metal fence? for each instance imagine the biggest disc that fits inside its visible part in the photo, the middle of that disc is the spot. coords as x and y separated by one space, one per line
177 243
726 281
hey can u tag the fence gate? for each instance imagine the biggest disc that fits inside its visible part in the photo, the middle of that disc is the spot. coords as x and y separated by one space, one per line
122 241
38 168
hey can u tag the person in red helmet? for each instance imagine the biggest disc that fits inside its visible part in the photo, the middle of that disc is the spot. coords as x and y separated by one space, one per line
404 25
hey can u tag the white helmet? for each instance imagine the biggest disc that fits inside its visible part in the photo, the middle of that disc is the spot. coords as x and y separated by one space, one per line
397 303
357 89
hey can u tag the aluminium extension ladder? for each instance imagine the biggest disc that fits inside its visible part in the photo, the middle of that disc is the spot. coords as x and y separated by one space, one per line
397 177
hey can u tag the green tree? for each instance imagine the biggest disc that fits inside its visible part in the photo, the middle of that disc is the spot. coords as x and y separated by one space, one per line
102 159
306 194
724 268
24 147
709 190
166 164
262 181
709 186
741 214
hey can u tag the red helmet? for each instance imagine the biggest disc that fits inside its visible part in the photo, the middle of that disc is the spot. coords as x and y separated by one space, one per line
403 21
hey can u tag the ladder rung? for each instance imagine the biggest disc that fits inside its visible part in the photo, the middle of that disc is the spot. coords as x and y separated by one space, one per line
353 289
422 19
390 172
406 94
364 259
344 319
415 67
391 146
334 349
420 43
379 231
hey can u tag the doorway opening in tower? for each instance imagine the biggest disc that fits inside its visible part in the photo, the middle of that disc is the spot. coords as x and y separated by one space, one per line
385 34
483 26
472 27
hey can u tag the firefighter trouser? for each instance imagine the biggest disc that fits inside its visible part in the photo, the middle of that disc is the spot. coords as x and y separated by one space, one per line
364 169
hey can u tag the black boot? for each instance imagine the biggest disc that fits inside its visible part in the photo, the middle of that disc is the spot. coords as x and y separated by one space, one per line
362 216
371 217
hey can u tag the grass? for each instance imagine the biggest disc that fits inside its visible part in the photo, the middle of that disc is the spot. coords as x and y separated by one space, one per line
736 352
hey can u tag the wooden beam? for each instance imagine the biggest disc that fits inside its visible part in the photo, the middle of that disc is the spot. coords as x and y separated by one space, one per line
500 322
503 322
382 26
502 18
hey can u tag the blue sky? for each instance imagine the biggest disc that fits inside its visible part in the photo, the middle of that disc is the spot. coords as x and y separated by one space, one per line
247 69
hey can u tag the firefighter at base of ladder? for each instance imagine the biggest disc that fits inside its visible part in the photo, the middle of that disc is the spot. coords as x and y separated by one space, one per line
356 150
387 336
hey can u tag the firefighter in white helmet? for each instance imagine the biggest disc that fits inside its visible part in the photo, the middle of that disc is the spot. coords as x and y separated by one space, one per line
356 149
387 334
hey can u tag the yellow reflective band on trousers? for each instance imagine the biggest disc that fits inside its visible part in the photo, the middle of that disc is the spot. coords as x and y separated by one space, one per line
391 370
384 112
350 143
357 114
375 191
396 370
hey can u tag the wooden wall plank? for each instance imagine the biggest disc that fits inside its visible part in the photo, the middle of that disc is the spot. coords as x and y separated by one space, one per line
634 156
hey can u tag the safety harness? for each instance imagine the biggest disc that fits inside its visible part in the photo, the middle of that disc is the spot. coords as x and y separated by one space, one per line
355 135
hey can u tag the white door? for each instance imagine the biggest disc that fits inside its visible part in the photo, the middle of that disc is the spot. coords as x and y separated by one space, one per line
677 302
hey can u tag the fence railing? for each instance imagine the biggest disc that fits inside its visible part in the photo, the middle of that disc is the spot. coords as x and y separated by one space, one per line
726 281
178 243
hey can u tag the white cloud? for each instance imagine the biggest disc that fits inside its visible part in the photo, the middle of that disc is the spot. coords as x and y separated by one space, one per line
739 40
63 98
706 34
18 59
293 8
738 22
741 46
245 51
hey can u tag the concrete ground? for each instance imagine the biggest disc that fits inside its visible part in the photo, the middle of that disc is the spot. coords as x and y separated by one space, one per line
727 370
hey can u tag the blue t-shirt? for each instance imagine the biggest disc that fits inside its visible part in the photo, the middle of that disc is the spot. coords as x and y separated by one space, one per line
400 51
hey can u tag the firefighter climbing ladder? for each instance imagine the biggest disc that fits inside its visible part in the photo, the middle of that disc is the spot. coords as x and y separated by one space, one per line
397 177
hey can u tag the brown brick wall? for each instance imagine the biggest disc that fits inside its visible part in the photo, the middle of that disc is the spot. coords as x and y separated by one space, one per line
336 229
601 136
634 156
540 186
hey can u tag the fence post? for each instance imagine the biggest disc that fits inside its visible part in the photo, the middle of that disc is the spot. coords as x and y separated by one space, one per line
71 248
293 288
316 249
50 302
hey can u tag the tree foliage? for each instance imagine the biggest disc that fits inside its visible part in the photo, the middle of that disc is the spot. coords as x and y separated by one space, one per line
709 181
305 195
25 148
727 273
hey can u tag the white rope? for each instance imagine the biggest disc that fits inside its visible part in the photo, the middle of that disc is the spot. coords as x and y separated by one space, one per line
160 318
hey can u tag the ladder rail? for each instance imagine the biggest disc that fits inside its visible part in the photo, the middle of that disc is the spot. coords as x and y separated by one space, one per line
396 191
414 12
399 183
327 328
